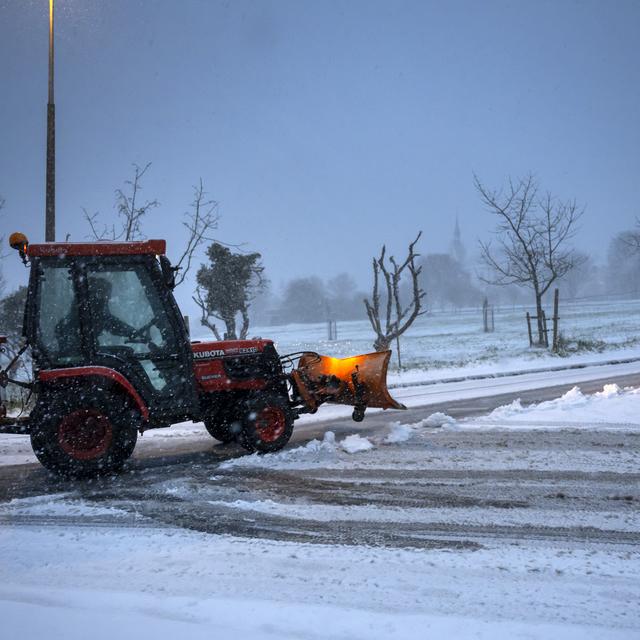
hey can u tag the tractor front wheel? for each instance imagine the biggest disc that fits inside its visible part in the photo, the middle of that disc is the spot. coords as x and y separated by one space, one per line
83 434
267 424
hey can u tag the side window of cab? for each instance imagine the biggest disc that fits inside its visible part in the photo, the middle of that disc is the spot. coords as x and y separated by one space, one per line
58 320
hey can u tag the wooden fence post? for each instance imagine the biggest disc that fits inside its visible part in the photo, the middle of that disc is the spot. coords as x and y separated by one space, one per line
556 297
332 330
529 328
546 331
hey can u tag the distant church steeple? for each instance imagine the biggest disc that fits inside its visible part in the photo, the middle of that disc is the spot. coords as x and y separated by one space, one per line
457 250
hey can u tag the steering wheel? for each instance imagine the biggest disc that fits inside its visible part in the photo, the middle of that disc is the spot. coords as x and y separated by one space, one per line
143 334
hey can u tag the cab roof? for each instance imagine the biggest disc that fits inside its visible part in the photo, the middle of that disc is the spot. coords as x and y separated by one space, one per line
146 247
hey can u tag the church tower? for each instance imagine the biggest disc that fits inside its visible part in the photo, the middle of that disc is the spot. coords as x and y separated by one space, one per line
456 249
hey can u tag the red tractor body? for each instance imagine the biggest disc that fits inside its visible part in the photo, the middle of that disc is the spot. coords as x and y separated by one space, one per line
112 357
230 365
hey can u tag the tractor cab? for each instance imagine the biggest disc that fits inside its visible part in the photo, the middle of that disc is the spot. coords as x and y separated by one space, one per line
109 348
100 307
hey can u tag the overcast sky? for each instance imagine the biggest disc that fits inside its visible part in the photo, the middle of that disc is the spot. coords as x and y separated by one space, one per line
322 128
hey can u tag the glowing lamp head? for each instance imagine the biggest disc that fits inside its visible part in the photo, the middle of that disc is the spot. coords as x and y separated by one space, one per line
19 242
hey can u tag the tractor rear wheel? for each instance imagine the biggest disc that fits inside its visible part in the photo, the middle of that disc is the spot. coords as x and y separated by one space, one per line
267 424
83 434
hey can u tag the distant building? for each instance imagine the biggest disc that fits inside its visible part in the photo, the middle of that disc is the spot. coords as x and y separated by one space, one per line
457 250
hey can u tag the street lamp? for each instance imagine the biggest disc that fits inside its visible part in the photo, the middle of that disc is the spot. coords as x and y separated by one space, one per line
50 194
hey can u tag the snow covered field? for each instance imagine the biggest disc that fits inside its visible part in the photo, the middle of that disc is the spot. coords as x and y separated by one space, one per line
522 523
441 342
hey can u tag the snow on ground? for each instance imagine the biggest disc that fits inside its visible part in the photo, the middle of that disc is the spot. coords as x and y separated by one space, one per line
398 432
440 343
70 567
611 408
16 449
514 517
147 581
532 361
55 505
428 394
356 443
317 452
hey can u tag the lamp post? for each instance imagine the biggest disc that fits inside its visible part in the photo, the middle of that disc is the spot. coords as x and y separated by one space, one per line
50 194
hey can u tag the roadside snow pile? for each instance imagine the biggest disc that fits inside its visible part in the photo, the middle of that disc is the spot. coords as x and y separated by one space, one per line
314 452
355 443
402 432
614 406
325 452
608 391
398 433
437 419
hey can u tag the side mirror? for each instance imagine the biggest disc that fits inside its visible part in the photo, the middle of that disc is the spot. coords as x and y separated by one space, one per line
168 272
20 243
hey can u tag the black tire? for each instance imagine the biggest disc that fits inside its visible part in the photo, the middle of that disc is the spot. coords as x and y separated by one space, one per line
222 426
267 423
83 433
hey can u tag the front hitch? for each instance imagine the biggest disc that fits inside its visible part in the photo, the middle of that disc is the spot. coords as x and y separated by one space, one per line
5 379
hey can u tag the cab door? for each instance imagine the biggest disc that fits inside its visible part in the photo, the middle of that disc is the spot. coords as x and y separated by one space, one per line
135 327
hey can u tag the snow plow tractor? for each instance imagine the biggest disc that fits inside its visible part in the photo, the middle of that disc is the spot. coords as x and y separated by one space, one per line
111 358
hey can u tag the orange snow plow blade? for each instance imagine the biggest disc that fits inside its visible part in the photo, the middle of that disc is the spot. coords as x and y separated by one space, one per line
360 381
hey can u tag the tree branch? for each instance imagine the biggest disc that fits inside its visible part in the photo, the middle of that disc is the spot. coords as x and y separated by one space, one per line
203 218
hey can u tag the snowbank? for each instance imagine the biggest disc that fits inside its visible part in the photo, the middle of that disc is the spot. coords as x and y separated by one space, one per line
615 407
356 443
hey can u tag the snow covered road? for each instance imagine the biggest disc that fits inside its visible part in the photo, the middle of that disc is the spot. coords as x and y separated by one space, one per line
522 522
535 386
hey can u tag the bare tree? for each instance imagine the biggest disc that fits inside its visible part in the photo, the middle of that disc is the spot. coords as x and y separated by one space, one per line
199 221
397 317
532 236
11 319
130 211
